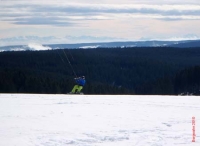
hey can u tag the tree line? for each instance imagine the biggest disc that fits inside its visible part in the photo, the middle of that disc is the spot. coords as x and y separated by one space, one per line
144 70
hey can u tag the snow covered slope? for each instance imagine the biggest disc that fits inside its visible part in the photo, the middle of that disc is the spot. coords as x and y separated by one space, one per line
92 120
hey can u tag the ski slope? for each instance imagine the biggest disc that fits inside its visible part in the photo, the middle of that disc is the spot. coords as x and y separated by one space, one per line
98 120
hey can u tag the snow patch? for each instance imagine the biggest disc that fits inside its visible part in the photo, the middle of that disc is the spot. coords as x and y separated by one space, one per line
30 46
89 47
17 49
34 46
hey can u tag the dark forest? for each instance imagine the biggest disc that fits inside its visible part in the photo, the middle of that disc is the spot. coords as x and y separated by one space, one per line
143 71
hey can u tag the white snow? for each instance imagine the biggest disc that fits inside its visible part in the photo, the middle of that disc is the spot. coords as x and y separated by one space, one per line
34 46
89 47
98 120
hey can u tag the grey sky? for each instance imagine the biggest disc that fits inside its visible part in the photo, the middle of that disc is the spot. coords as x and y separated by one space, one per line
105 18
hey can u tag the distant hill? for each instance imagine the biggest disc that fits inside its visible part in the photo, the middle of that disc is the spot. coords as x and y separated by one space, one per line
187 44
179 44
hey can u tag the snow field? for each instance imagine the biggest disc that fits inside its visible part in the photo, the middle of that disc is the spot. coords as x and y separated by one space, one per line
98 120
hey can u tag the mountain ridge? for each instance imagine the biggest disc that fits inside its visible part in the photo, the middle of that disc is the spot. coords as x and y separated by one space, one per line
123 44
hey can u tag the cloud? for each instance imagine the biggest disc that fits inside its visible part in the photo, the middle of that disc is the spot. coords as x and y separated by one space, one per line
42 21
64 14
27 39
35 40
85 18
92 39
174 38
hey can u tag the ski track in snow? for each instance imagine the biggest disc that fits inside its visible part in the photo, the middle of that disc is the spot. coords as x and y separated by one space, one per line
98 120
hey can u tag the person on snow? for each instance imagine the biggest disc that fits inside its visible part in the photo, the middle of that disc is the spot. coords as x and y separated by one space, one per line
80 82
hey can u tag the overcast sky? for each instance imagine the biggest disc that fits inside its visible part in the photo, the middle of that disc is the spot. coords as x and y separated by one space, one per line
62 21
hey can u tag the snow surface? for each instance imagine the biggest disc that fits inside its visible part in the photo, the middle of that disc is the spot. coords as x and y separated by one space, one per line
98 120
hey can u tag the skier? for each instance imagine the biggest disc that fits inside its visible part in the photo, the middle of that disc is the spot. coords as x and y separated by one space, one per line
80 82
